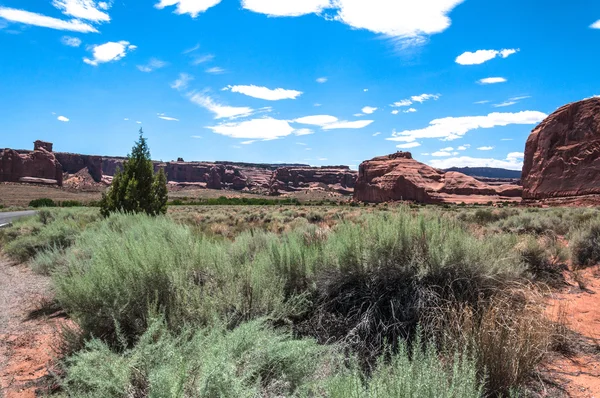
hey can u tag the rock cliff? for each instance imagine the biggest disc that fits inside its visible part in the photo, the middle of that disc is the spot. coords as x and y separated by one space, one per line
38 166
562 154
400 177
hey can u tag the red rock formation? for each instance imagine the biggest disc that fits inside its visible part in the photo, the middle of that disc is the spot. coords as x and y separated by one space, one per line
562 154
294 178
73 163
400 177
39 164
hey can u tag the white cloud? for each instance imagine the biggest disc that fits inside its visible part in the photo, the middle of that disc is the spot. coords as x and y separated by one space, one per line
405 102
138 122
395 112
512 162
492 80
595 25
408 145
248 142
482 102
409 20
448 149
376 134
410 110
220 111
192 7
485 148
301 143
183 81
63 119
164 117
109 52
202 59
519 98
31 18
322 159
369 110
327 122
481 56
359 124
265 93
322 80
126 119
215 70
358 114
303 132
70 41
317 104
515 156
286 8
153 64
365 90
451 128
191 49
81 9
441 154
317 120
463 147
507 139
424 97
255 129
196 137
503 104
103 5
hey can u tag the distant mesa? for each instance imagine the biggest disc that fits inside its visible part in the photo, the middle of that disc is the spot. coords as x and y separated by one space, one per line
562 155
398 177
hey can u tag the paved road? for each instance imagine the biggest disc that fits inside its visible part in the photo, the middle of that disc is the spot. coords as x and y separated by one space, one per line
13 215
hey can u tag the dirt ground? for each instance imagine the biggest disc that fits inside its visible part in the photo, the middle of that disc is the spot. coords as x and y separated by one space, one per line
29 328
578 372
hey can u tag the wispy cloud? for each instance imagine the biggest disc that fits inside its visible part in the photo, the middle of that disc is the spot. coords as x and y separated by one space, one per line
31 18
215 70
152 65
327 122
168 118
255 129
451 128
322 80
220 111
492 80
264 92
70 41
408 145
83 9
202 59
505 103
183 82
485 148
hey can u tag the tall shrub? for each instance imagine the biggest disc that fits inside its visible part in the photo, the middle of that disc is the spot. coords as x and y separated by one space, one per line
136 189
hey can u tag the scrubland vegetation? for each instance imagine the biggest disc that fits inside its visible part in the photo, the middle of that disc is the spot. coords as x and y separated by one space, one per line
302 301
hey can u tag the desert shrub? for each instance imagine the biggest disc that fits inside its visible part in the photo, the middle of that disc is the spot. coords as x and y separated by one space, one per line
585 244
250 361
136 188
411 373
70 203
42 202
49 229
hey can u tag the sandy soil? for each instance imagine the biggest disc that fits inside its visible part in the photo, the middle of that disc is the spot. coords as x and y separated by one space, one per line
578 373
28 329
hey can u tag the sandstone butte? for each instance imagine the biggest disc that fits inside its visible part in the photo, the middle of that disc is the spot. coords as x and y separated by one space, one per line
38 166
399 177
562 154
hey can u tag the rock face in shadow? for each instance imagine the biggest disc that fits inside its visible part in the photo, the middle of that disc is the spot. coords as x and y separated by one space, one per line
73 163
337 178
399 177
39 165
562 154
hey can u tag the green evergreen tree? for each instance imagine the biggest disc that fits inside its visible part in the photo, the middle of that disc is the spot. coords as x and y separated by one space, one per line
136 188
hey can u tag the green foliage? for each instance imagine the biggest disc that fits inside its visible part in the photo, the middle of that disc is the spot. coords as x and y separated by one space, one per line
585 244
42 202
136 189
54 229
249 361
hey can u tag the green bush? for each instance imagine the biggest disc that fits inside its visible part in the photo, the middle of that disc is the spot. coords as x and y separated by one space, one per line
250 361
585 244
42 202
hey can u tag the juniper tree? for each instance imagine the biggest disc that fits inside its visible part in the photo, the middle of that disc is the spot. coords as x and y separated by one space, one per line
136 188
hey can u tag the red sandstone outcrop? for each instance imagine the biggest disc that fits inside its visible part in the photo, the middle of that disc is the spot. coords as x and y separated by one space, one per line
73 163
562 154
400 177
39 164
297 178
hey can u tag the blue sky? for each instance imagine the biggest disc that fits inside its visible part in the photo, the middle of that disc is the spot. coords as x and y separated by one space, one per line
456 82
